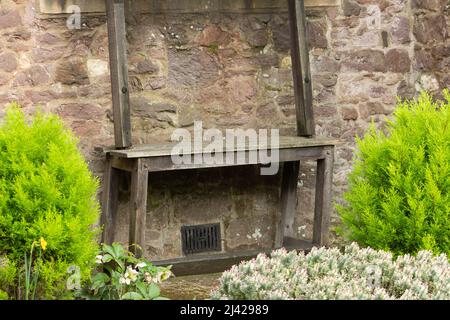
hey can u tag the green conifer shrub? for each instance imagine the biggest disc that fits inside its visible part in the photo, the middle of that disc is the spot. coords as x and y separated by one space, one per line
399 189
46 192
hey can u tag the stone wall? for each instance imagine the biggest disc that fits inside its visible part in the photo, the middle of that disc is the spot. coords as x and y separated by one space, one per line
229 70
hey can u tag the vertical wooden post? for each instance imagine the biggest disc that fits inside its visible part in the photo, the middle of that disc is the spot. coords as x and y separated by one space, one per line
138 208
119 72
288 202
109 202
304 112
323 202
301 69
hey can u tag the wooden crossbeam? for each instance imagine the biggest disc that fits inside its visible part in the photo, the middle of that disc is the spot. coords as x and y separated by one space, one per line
119 70
51 7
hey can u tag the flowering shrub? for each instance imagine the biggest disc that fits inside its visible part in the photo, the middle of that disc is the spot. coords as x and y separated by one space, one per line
121 276
324 273
46 191
399 190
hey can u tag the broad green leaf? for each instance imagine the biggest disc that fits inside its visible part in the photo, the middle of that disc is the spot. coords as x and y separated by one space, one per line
132 296
142 288
107 258
99 281
153 291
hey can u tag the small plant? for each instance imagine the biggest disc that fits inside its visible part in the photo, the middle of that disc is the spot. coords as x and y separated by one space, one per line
214 48
121 276
46 190
399 190
326 274
31 270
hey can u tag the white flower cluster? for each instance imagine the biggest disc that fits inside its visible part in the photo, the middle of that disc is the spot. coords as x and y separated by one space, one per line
129 276
355 273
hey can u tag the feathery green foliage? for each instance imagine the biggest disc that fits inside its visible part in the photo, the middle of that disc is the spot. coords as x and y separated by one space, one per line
399 190
46 190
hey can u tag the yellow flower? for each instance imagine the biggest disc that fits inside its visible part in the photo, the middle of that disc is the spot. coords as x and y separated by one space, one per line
43 243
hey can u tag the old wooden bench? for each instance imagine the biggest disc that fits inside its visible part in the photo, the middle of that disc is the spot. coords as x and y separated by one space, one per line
140 160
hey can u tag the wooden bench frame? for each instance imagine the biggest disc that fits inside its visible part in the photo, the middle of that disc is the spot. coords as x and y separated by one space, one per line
140 160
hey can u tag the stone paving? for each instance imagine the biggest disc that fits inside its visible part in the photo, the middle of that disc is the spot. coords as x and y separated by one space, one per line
196 287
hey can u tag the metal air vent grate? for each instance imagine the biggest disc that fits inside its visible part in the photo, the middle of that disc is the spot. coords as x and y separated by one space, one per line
201 238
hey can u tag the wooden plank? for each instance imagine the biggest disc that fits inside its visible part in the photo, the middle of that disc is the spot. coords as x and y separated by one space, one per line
323 201
302 154
52 7
213 263
123 164
138 208
290 243
109 202
165 163
119 72
288 200
165 149
267 5
301 69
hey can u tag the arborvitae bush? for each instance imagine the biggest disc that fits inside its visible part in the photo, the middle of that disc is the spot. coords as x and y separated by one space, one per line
399 190
48 192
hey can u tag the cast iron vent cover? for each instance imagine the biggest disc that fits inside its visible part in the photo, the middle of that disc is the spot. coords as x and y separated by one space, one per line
201 238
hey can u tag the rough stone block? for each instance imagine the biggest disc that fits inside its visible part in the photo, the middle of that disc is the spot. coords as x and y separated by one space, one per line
72 72
8 62
430 28
10 19
400 30
364 60
398 60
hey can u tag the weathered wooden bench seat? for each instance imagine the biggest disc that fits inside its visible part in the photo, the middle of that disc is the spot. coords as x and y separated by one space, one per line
288 148
142 159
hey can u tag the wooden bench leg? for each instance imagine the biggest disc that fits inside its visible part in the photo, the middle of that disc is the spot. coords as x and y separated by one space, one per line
138 208
288 202
109 202
323 202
